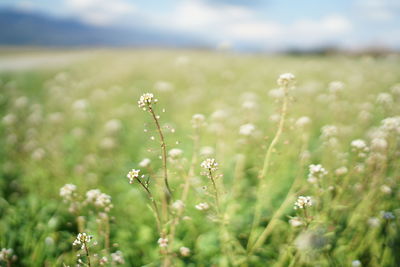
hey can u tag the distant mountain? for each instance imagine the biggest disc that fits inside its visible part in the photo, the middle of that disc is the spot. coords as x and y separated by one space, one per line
26 28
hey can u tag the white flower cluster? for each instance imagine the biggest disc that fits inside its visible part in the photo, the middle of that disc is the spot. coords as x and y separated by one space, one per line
316 172
145 163
329 131
202 206
335 87
209 164
163 242
146 100
391 124
360 147
302 202
285 79
6 254
185 252
132 175
82 239
303 122
68 192
175 153
247 129
198 120
99 199
117 257
178 205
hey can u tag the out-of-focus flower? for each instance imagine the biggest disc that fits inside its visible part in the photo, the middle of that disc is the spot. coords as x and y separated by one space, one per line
302 202
202 206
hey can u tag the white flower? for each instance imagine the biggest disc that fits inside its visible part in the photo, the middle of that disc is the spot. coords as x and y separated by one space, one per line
329 131
175 153
178 205
185 252
9 119
341 171
295 222
247 129
316 172
335 87
82 239
198 120
113 126
303 121
117 257
302 202
209 164
359 146
391 124
384 98
202 206
206 151
99 199
285 79
132 175
386 189
5 254
144 163
146 100
356 263
68 192
162 242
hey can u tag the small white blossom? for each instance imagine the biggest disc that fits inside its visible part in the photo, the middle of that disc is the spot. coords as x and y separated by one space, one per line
175 153
6 254
146 100
316 172
178 205
303 122
144 163
198 120
247 129
296 222
285 79
341 171
82 239
163 242
335 87
302 202
132 175
209 164
117 257
359 146
99 199
356 263
185 252
68 192
202 206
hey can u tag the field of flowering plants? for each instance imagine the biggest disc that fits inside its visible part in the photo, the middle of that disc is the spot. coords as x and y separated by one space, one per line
196 158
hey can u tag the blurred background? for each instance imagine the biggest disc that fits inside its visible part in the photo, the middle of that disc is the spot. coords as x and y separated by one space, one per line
307 26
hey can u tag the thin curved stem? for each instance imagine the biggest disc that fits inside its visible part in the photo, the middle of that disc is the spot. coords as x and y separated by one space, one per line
262 174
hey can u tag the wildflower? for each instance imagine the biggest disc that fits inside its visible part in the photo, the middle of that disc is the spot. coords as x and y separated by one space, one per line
316 172
113 126
387 215
198 120
178 205
247 129
68 192
206 151
209 164
99 199
202 206
146 100
356 263
162 242
303 121
329 131
302 202
185 252
386 189
144 163
360 147
384 98
373 222
103 260
82 239
117 257
391 124
335 87
175 153
285 79
132 175
341 171
295 222
6 254
9 119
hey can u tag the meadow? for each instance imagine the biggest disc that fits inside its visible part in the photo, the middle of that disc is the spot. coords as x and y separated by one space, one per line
235 164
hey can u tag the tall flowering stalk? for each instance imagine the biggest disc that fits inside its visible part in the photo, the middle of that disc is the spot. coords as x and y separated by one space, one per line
284 81
82 240
146 102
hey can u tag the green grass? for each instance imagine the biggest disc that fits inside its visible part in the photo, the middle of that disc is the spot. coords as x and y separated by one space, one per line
36 223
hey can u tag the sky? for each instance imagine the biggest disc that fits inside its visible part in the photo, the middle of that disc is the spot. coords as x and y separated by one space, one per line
269 24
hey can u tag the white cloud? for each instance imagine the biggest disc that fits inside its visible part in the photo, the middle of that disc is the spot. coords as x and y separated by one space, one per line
379 10
100 12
